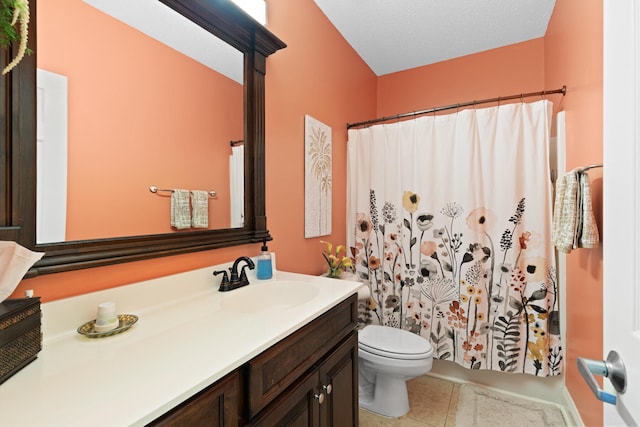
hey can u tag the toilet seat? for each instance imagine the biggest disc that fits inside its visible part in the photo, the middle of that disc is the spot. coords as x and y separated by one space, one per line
393 343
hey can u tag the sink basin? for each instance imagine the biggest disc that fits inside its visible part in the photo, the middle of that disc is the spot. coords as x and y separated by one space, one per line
274 296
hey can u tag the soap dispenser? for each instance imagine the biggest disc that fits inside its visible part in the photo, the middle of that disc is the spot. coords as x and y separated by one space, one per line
265 270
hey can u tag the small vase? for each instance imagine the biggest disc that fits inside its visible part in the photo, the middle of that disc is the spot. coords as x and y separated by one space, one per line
334 273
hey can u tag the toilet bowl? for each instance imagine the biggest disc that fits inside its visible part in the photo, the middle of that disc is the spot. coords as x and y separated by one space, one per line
387 358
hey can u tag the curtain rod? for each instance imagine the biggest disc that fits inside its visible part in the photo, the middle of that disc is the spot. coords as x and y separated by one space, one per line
562 90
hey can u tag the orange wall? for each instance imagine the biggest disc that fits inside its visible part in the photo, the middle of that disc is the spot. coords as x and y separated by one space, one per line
507 70
573 56
317 74
133 103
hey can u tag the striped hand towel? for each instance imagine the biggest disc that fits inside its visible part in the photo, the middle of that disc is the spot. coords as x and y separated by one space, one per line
200 207
180 209
566 212
589 236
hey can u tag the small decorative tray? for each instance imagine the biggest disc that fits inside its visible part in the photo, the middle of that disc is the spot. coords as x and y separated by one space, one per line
126 321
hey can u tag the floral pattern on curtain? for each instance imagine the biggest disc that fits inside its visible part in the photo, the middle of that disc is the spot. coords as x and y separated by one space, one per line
450 220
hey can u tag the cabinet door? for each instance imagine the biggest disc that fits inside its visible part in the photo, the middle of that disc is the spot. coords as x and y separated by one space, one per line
339 383
297 407
215 406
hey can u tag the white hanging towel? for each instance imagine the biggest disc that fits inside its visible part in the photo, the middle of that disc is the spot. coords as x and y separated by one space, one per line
180 209
574 225
200 209
566 212
589 236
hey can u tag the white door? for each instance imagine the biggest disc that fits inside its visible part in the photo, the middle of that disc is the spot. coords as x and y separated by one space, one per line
621 235
51 183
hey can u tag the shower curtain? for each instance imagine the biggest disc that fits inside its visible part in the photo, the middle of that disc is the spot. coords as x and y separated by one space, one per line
449 222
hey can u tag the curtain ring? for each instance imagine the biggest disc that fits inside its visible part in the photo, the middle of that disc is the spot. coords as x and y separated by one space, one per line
474 104
522 98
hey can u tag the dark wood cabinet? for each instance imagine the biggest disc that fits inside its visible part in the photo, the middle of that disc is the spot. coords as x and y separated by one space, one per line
339 383
215 406
299 406
326 396
274 370
310 378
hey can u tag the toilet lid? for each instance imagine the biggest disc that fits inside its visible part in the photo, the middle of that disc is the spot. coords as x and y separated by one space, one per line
392 342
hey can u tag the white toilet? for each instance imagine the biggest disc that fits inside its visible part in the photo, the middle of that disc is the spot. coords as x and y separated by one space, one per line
387 358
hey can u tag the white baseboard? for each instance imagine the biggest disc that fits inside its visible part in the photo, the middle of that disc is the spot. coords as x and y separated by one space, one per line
570 410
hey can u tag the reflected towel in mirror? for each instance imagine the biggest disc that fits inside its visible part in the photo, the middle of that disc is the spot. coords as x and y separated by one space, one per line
180 209
200 209
236 177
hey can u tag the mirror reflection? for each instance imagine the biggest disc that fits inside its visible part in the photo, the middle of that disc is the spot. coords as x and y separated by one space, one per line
120 111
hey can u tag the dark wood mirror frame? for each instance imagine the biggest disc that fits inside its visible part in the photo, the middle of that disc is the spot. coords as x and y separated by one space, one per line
18 153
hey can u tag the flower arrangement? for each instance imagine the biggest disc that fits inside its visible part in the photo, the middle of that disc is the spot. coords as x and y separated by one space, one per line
336 263
11 13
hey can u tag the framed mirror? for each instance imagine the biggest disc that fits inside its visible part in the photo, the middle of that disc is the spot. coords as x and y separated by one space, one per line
155 108
92 241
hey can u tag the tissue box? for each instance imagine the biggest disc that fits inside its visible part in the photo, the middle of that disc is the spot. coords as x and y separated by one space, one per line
20 334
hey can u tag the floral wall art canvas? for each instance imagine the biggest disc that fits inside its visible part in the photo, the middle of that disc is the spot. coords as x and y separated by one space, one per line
317 178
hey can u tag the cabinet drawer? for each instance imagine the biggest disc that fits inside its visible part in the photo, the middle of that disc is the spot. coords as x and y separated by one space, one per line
282 364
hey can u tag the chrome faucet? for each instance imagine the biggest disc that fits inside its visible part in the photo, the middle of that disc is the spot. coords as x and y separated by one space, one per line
237 280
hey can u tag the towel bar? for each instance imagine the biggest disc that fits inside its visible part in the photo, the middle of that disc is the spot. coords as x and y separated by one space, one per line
155 189
595 165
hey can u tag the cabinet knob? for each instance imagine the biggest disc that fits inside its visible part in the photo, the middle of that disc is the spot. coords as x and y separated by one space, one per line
328 388
320 398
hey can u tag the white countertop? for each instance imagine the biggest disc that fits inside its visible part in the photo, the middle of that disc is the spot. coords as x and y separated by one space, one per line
188 336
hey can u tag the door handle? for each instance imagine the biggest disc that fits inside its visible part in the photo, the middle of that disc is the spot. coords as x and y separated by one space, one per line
612 368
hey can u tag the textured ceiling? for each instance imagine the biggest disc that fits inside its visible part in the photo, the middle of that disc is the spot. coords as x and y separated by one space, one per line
395 35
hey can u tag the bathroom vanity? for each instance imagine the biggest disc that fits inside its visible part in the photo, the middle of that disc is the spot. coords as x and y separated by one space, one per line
309 378
276 352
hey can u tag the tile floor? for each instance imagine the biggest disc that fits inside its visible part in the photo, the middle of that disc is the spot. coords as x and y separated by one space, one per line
439 411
